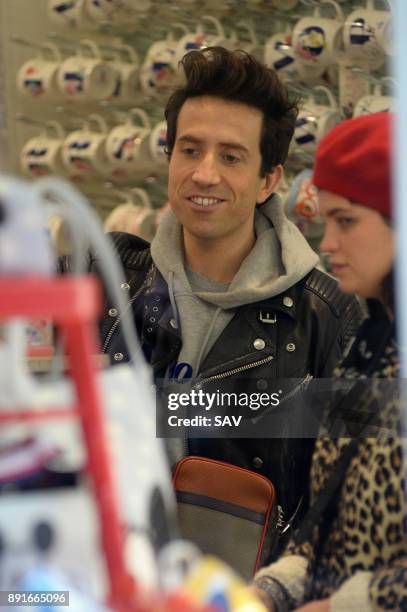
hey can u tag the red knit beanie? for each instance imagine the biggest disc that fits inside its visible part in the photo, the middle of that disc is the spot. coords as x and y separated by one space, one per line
354 161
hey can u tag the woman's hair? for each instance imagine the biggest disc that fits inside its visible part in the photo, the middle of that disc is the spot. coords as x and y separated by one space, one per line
387 288
388 283
238 77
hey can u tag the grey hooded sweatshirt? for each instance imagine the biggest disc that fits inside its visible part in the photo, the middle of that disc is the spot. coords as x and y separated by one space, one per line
280 258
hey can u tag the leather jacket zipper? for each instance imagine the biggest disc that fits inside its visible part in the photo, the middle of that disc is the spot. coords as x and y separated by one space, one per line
243 368
116 323
304 382
221 376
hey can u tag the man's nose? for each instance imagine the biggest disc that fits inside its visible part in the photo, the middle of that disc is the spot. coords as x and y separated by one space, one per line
206 171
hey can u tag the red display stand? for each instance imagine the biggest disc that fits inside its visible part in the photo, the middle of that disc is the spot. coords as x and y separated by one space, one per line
73 304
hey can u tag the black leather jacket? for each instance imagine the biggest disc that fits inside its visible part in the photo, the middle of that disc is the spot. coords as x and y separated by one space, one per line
304 332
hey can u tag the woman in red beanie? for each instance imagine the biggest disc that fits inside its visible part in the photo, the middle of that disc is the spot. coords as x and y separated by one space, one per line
350 552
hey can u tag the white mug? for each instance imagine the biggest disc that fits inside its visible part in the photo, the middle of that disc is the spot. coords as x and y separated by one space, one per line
81 18
62 13
42 155
302 200
375 102
317 40
127 146
127 75
158 143
315 120
385 36
84 153
353 85
366 36
37 78
86 76
279 54
135 215
201 38
157 72
99 11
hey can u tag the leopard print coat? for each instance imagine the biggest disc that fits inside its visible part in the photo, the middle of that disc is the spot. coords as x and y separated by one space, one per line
363 545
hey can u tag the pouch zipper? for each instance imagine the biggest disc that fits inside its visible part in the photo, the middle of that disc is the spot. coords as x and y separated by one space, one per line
280 523
283 525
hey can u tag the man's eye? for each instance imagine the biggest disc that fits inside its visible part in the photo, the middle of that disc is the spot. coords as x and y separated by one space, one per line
230 159
189 151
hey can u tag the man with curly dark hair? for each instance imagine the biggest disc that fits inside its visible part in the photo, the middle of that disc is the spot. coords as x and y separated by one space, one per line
228 288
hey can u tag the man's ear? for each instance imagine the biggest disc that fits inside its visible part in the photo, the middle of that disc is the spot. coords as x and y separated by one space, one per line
270 183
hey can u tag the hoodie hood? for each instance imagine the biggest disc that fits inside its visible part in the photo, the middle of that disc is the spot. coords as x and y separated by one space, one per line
280 258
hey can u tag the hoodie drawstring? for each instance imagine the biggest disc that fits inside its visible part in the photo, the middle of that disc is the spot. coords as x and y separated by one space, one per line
172 297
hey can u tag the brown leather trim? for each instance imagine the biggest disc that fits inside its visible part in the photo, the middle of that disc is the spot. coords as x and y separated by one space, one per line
226 482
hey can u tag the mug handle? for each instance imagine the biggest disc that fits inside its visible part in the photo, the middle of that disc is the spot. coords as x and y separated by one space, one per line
338 10
233 41
250 30
143 199
132 54
99 121
141 114
371 5
218 26
56 127
328 93
159 125
53 49
126 194
86 43
199 28
177 25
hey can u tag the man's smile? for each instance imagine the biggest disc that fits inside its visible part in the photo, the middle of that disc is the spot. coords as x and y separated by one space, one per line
205 201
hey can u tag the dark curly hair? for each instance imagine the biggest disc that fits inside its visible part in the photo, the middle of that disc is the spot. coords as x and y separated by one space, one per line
238 77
